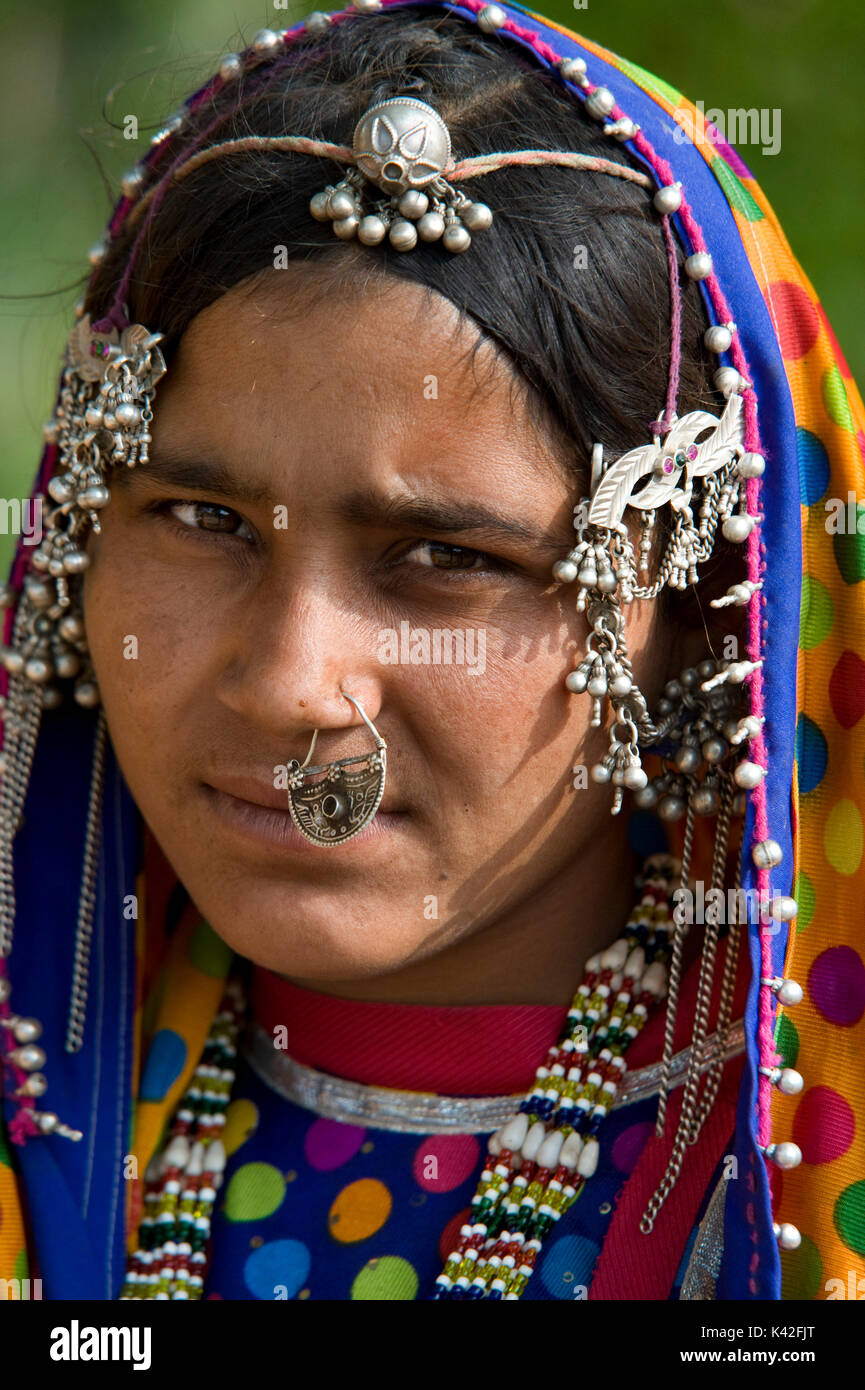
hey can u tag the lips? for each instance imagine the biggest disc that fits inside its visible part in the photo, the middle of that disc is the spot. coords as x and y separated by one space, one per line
264 794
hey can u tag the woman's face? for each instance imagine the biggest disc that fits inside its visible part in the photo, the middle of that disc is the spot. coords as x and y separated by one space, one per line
330 478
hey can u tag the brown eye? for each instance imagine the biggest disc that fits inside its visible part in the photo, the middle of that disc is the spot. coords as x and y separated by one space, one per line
449 557
208 516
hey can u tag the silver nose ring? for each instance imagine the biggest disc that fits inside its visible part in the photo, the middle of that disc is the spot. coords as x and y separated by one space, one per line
332 802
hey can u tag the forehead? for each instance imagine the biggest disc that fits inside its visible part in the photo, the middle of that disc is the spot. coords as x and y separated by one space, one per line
323 362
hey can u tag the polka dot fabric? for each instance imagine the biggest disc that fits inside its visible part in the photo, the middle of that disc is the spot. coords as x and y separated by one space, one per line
825 1196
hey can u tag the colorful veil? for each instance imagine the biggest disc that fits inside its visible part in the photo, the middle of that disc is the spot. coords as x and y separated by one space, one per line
150 1005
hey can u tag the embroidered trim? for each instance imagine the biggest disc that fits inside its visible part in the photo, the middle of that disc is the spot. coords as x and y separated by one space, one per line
416 1112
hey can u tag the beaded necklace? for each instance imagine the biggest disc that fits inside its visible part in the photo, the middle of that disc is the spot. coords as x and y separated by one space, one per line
538 1162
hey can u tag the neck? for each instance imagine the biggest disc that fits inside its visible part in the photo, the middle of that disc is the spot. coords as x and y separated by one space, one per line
532 953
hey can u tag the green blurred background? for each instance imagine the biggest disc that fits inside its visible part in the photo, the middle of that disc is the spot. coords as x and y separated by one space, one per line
73 69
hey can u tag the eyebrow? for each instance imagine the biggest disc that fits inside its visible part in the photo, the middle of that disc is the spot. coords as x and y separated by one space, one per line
431 513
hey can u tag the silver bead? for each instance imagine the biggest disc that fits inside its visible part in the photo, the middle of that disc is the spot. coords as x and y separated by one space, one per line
620 686
47 1120
588 576
28 1058
402 235
790 1082
431 226
699 265
668 199
456 238
5 989
671 807
13 661
127 415
705 801
491 18
130 184
572 69
600 773
705 670
646 797
51 697
60 489
565 571
7 595
597 687
576 682
95 497
785 1155
783 909
717 338
346 227
27 1030
790 993
230 67
371 230
600 103
367 6
37 670
477 217
267 43
71 627
751 466
714 750
413 204
40 593
787 1235
318 207
607 582
96 254
93 416
727 380
748 775
673 690
635 778
738 528
35 1085
341 204
87 694
623 129
75 561
67 665
767 854
688 758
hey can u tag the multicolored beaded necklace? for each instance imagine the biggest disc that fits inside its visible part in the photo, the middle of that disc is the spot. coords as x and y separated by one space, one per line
537 1163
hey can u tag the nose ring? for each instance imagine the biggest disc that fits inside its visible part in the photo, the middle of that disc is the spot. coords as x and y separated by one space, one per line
332 802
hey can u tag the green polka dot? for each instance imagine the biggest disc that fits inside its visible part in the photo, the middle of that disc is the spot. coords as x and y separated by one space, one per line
817 615
208 952
849 551
835 398
649 82
387 1278
849 1217
801 1272
255 1191
737 194
787 1041
803 892
21 1267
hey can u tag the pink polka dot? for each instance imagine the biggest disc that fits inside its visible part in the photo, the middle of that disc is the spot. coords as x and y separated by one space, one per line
450 1236
847 689
212 1296
836 983
796 317
824 1125
443 1161
629 1145
330 1143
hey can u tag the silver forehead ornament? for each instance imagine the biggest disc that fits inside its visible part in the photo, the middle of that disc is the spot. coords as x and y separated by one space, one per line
401 148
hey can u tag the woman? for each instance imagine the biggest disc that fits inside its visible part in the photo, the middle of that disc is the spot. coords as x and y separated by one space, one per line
310 581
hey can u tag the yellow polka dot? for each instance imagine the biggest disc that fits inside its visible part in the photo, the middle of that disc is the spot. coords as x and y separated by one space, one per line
367 1148
241 1122
359 1210
843 837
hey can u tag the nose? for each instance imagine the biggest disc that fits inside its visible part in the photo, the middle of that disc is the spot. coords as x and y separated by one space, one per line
291 663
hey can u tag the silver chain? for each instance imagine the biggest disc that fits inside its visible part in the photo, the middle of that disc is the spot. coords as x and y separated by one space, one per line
87 896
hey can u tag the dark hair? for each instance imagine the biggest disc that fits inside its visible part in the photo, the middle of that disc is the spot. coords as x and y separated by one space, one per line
593 343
